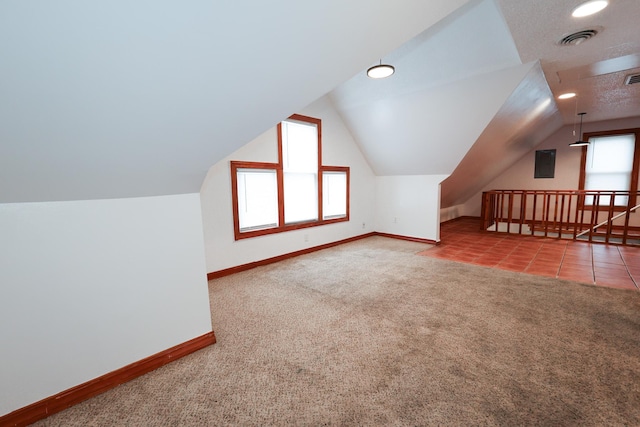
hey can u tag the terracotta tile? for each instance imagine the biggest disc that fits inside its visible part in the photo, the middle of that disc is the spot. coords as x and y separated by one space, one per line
540 273
463 241
610 265
485 262
548 259
584 255
573 266
577 261
488 260
632 261
515 268
633 270
577 278
519 259
545 264
542 270
603 271
620 284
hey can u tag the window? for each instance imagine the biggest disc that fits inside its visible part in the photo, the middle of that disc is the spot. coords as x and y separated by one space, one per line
257 199
299 141
334 197
297 192
610 163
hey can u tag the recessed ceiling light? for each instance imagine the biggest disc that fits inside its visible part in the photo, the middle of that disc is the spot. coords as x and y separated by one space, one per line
567 95
589 8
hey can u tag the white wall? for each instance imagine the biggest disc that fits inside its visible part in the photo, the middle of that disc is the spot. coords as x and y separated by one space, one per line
409 205
567 172
87 287
338 149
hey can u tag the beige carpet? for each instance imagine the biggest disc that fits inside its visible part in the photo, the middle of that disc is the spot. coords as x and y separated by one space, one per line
368 333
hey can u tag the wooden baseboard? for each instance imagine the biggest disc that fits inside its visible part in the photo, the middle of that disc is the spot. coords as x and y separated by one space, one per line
249 266
408 238
461 218
65 399
244 267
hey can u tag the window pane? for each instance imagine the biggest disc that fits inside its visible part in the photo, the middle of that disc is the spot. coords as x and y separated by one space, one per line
257 199
609 166
299 147
610 154
334 194
300 197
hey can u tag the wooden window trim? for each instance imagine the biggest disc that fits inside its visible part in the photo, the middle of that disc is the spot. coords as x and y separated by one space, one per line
278 167
633 186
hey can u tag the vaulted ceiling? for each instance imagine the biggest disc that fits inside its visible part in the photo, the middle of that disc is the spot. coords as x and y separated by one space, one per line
123 99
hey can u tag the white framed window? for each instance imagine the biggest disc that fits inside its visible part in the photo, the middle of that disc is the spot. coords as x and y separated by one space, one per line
334 194
609 166
300 167
297 192
257 199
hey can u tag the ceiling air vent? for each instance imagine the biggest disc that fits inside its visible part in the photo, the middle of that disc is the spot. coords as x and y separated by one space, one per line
577 37
632 79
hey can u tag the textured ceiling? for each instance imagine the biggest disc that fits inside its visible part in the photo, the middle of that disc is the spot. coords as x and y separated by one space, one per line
536 26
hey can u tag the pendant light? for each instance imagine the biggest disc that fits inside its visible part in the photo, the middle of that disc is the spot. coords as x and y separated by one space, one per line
380 71
580 142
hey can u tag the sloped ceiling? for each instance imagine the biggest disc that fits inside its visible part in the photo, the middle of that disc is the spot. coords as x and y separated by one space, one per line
449 83
526 118
120 99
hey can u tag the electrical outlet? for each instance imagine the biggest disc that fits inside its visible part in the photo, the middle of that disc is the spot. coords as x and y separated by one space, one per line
306 237
395 220
363 224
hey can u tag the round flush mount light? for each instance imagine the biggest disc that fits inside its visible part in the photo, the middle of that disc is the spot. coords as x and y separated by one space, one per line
589 8
380 71
567 95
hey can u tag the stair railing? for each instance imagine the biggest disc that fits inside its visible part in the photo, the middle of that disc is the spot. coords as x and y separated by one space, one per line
563 214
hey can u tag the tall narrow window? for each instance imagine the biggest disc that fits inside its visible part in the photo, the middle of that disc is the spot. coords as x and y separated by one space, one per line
300 166
297 192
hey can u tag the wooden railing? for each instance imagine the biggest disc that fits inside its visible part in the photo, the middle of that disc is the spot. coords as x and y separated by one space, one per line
596 216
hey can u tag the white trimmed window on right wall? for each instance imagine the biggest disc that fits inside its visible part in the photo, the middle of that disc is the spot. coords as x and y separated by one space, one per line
610 163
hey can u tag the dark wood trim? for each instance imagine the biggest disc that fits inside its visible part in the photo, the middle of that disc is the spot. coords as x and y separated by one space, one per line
278 167
244 267
407 238
460 218
249 266
347 171
65 399
234 166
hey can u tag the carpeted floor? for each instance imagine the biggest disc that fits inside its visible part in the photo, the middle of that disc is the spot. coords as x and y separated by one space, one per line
369 333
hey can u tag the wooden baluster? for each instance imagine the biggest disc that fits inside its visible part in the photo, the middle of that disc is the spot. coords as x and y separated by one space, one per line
610 214
625 232
594 214
546 207
561 215
510 212
523 210
555 210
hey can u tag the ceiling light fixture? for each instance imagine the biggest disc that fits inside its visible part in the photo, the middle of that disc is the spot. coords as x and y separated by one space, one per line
580 143
380 71
567 95
589 8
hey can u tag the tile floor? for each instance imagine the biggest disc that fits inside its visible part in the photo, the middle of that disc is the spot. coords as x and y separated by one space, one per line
593 263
